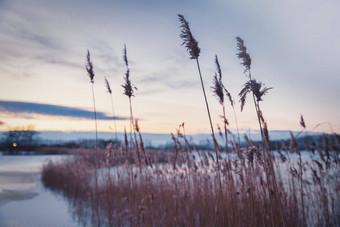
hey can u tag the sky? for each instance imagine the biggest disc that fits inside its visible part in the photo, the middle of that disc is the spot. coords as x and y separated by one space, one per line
294 46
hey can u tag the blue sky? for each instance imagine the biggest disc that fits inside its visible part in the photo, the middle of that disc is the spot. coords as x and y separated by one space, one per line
294 46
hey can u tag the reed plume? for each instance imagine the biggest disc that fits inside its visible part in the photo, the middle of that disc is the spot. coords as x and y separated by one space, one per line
258 90
302 122
129 90
188 39
90 72
191 45
108 89
89 67
217 87
218 90
252 86
243 55
303 125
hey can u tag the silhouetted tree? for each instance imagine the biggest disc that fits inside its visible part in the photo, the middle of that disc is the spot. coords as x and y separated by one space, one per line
20 139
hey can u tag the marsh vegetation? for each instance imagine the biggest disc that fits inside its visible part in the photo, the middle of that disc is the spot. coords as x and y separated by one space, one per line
231 185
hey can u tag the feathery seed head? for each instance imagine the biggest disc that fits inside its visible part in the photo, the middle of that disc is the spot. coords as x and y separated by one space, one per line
89 67
218 67
242 54
254 87
229 97
108 86
128 88
218 89
125 56
217 83
188 39
302 122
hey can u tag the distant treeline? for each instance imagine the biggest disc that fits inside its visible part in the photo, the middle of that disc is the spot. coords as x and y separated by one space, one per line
17 141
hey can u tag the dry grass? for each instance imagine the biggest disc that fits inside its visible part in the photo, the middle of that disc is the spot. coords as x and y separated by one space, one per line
246 186
184 191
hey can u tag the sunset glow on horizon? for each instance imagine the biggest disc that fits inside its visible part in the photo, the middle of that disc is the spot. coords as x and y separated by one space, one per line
294 46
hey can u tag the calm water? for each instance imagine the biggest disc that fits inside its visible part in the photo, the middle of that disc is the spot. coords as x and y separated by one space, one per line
23 199
25 202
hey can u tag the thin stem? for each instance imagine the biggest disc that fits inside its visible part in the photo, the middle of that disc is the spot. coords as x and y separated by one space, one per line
213 135
114 118
301 192
96 161
131 120
206 103
225 130
132 124
238 133
268 159
257 114
95 114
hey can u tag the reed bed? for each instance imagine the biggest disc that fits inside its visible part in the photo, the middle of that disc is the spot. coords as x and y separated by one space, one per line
232 185
183 189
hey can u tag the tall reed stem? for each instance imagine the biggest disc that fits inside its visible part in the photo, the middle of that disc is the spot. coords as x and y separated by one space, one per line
191 45
225 131
90 71
238 132
95 116
208 110
301 191
255 88
257 114
132 127
114 118
213 135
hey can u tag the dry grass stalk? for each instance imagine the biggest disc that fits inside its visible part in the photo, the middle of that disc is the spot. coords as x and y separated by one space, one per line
252 188
108 88
90 71
191 45
243 55
189 41
218 90
129 92
258 90
190 195
194 51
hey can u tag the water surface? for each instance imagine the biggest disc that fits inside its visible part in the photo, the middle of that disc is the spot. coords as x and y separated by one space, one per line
23 199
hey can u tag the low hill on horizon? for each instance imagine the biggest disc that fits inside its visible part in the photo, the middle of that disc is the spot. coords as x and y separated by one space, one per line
157 139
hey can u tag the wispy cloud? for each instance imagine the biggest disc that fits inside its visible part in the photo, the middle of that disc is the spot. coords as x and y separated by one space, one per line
27 109
27 42
23 30
171 78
